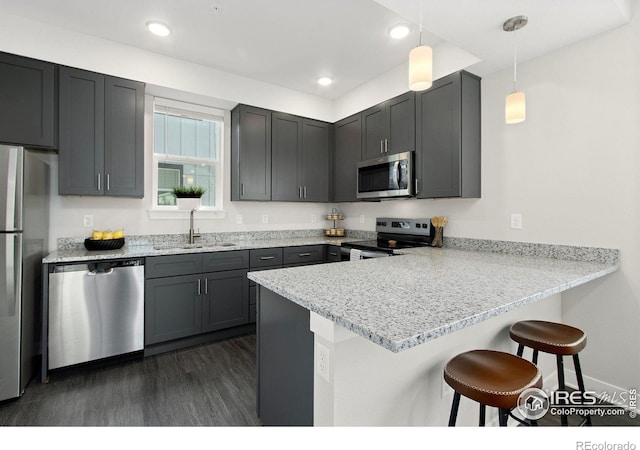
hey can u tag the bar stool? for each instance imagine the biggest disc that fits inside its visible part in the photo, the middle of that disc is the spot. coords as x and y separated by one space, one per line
554 338
490 378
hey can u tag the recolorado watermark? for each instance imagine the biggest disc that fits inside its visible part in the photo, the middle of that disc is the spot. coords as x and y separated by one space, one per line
534 403
590 445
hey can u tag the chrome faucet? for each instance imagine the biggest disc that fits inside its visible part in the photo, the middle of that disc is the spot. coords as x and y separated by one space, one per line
192 234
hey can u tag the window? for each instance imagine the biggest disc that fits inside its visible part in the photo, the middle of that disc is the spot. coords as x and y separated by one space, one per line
187 151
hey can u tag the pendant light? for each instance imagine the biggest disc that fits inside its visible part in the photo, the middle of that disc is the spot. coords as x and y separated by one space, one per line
420 64
515 105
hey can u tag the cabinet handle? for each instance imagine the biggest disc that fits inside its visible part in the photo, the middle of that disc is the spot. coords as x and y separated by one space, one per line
333 254
386 146
199 287
417 181
305 192
99 186
381 150
266 258
206 286
299 191
108 183
302 255
242 189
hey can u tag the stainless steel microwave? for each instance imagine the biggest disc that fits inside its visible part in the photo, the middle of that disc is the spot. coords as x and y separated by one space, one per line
386 177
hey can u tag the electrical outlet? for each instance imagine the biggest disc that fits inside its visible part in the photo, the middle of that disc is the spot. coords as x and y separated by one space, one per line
447 391
238 219
87 220
516 221
265 218
322 361
361 218
314 218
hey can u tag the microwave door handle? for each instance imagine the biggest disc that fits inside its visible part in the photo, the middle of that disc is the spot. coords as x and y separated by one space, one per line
396 175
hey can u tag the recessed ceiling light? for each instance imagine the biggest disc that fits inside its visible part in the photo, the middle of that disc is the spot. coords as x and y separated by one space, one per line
158 28
399 31
325 81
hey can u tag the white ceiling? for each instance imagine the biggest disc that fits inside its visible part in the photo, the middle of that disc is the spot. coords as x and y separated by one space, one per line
292 42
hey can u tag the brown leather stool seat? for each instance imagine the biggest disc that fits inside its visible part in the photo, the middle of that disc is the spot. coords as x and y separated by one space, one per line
554 338
549 337
491 378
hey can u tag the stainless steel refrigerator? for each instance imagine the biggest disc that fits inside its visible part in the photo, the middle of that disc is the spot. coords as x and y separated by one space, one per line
24 187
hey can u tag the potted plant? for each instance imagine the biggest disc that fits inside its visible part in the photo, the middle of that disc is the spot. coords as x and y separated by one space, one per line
188 197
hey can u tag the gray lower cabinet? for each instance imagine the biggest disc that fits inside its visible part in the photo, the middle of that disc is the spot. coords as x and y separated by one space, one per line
332 253
448 138
191 294
346 155
389 127
226 300
300 159
27 95
173 308
101 134
250 153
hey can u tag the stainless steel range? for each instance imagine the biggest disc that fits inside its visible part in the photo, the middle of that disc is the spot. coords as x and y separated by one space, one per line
392 234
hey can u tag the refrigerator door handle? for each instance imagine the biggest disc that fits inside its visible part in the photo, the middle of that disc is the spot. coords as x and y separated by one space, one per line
11 190
11 269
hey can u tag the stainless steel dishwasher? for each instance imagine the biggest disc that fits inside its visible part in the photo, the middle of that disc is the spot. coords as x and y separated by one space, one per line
96 310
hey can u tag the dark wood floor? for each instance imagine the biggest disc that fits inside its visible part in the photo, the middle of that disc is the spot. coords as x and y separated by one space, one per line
210 385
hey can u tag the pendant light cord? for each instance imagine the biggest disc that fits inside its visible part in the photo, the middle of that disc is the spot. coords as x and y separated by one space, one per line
515 56
420 33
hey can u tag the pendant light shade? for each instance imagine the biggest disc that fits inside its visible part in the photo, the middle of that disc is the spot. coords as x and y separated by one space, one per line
420 64
515 110
420 68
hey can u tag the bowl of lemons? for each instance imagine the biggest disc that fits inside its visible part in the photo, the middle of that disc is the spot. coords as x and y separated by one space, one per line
105 240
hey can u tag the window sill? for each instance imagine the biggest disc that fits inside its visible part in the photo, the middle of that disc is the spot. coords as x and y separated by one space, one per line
173 214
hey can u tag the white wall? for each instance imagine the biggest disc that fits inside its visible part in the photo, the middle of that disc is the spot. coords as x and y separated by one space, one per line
571 169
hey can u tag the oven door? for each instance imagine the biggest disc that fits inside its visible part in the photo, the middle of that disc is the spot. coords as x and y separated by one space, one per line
387 176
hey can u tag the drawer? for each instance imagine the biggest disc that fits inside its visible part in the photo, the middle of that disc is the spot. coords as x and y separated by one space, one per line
332 253
265 257
220 261
172 265
303 255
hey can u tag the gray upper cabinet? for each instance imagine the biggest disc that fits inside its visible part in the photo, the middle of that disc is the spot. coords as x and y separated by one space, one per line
389 127
314 160
124 137
250 153
300 159
346 155
27 96
101 135
286 143
448 138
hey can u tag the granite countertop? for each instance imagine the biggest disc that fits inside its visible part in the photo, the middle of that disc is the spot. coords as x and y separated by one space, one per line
403 301
78 253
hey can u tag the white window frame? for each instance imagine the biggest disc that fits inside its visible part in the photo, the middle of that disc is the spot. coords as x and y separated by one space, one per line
193 111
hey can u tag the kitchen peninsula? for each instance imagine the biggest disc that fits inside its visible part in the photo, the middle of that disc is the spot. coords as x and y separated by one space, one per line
382 329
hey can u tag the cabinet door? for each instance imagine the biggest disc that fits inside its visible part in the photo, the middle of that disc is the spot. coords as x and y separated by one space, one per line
285 146
250 153
347 154
27 96
124 138
332 254
374 131
401 136
438 124
226 300
173 308
314 161
81 133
